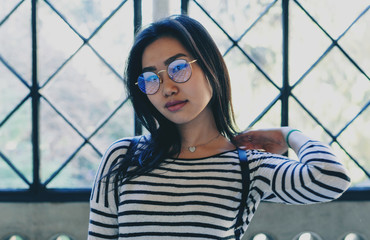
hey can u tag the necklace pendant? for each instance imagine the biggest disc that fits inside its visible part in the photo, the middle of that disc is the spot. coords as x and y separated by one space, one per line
192 149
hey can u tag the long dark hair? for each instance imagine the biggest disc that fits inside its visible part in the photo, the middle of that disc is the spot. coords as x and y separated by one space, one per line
164 140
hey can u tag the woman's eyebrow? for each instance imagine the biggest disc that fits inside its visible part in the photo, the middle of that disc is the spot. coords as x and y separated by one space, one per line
166 62
149 69
169 60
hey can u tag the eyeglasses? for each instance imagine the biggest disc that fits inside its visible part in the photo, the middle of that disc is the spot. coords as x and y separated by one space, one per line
178 70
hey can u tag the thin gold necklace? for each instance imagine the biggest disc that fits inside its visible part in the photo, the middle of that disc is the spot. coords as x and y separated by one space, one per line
194 148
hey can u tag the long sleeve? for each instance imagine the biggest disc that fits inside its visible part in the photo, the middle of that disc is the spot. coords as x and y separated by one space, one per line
103 222
316 177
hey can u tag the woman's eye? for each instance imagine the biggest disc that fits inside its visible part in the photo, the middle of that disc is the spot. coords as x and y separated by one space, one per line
151 79
178 67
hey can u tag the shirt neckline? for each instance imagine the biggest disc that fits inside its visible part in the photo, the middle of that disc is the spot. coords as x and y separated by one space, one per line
200 158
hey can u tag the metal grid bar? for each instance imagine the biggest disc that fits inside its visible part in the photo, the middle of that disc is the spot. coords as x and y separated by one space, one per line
263 113
11 69
138 128
184 7
286 89
14 168
350 122
11 12
35 98
60 67
14 110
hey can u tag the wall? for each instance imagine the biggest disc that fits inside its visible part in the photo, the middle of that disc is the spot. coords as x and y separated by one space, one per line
332 221
42 221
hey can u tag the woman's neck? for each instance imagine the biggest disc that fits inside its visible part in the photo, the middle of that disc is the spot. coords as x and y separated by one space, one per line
201 138
198 131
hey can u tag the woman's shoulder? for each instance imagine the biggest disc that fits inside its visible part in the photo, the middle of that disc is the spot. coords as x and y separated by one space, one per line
121 145
117 151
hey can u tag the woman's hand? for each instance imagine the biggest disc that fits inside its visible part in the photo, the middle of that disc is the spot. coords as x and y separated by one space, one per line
269 140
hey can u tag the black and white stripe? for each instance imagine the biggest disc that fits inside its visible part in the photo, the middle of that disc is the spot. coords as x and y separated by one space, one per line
199 198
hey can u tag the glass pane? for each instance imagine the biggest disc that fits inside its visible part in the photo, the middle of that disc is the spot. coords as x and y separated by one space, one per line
300 119
263 43
358 177
340 16
271 119
218 36
57 141
114 39
306 43
334 91
12 91
86 90
15 41
157 9
85 16
56 42
147 12
119 126
80 172
6 7
353 42
230 14
356 141
9 179
251 92
15 140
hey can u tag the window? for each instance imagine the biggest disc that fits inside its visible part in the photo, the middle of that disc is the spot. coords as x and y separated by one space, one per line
62 101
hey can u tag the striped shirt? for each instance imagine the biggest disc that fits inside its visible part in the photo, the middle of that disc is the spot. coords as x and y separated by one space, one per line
199 198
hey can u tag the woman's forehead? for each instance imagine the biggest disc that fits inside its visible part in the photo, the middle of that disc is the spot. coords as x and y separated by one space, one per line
161 50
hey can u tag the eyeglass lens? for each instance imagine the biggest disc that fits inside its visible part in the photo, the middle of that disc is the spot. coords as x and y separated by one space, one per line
179 71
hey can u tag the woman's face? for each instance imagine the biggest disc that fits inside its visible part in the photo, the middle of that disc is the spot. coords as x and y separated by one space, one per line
180 103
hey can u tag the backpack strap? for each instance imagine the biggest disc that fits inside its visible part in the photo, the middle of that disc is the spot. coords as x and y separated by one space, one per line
245 191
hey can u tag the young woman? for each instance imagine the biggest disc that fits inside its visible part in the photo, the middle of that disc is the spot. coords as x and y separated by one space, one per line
188 179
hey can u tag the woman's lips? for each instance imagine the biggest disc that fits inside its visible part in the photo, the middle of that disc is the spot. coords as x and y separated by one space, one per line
175 105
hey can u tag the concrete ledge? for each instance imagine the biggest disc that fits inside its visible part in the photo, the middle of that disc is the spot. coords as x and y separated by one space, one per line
42 221
331 221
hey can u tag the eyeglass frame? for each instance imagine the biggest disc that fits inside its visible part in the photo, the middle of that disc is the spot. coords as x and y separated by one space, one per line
166 70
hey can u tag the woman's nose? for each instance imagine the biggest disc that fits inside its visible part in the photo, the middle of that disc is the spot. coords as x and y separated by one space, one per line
169 87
